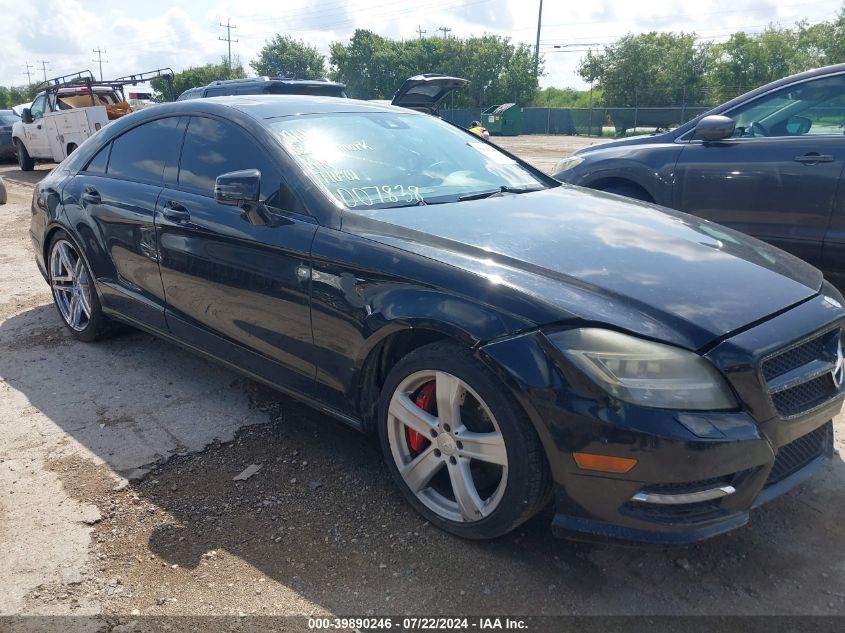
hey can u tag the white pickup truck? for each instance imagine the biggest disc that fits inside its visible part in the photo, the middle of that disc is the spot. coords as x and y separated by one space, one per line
59 119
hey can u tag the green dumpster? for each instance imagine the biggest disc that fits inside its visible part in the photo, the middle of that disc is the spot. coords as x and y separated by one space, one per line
503 120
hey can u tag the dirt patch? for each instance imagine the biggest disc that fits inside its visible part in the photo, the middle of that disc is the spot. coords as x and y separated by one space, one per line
48 337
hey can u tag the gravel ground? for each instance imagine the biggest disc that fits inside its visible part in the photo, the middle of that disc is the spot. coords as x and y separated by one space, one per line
118 499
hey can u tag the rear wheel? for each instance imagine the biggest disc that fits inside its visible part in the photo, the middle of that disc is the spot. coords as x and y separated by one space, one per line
25 161
459 447
73 290
71 148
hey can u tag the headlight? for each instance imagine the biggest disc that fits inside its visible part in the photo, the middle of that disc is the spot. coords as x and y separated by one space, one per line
644 372
567 163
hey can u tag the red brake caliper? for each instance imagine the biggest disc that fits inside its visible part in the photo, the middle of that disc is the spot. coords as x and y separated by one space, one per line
425 401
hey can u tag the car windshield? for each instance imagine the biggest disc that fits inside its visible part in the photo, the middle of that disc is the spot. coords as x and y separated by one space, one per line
8 118
387 159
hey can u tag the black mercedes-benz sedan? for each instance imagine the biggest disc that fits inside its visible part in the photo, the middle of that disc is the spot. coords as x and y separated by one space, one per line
512 341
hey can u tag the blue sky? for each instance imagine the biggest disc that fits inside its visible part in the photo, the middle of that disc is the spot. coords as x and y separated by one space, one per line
148 34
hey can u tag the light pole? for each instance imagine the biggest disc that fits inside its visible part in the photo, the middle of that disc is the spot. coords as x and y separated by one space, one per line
537 46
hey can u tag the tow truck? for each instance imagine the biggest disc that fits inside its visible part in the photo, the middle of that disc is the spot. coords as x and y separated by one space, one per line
69 109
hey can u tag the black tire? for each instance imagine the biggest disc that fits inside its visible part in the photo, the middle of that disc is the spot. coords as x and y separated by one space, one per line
629 191
3 196
25 161
71 148
97 325
528 484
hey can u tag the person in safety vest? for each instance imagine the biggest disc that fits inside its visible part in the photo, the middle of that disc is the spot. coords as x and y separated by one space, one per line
476 128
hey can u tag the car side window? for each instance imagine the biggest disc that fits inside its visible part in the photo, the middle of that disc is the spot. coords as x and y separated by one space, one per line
215 147
37 107
809 108
142 152
98 164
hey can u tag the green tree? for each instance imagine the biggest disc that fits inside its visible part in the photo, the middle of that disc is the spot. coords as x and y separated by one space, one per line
374 67
285 56
198 76
650 69
745 62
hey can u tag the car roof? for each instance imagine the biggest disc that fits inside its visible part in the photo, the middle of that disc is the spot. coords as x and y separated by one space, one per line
272 106
264 81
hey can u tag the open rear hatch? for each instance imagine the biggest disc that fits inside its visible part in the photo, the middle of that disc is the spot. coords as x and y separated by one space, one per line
427 92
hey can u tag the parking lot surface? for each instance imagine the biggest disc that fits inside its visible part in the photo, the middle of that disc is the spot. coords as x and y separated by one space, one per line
117 497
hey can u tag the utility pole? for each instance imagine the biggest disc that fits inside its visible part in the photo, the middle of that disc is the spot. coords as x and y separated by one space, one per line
28 74
99 60
420 31
537 46
44 63
445 30
229 26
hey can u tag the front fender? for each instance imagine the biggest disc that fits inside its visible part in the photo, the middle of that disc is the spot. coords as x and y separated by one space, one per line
651 168
364 292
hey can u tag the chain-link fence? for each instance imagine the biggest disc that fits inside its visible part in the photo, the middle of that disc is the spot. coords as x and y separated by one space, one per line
588 121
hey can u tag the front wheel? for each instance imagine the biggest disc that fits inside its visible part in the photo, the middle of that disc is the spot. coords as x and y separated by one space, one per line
459 447
25 161
73 290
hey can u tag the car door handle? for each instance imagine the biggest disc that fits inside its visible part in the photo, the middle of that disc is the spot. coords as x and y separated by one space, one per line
811 158
175 212
90 194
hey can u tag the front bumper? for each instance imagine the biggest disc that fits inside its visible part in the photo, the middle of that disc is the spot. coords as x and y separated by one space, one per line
603 508
752 451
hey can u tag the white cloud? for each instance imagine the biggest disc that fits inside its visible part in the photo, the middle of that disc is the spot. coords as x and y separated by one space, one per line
140 36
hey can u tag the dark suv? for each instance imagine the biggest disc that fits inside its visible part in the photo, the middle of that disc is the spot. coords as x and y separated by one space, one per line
7 147
266 85
768 163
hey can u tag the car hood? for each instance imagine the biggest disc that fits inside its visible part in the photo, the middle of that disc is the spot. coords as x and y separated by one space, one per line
601 258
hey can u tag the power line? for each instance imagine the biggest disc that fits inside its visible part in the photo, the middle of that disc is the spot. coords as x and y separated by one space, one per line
44 64
445 30
28 74
421 31
99 60
229 26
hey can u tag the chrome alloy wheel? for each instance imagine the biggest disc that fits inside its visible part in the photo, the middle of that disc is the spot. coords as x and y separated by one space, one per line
449 449
71 285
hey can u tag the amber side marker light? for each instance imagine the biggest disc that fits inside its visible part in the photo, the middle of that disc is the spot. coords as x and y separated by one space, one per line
604 463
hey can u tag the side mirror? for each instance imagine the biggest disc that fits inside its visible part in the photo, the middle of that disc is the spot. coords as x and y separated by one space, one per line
798 125
238 188
26 115
714 128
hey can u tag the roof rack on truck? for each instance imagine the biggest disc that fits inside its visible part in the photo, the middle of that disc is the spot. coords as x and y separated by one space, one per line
138 78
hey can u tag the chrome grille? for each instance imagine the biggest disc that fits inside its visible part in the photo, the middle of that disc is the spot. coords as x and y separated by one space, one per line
800 378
